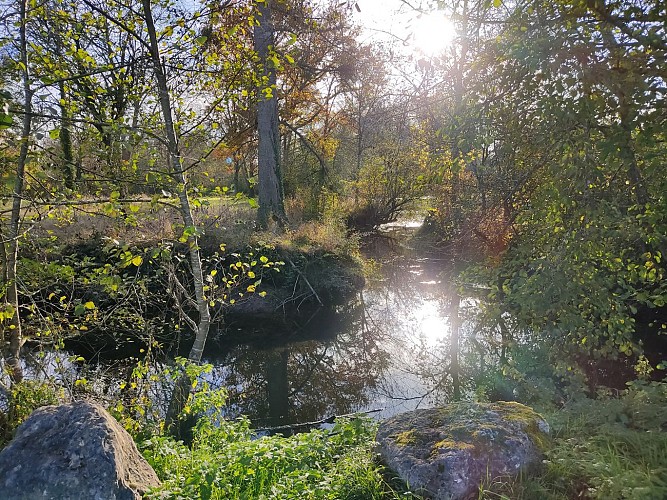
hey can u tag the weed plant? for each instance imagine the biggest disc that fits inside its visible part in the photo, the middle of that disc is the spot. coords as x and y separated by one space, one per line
225 461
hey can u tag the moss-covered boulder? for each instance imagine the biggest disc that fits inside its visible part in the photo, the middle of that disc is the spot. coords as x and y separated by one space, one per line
446 453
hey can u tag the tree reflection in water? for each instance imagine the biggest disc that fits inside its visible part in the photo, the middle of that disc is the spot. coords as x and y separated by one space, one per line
411 339
392 348
305 379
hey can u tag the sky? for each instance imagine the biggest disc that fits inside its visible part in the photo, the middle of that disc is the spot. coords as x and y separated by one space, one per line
396 20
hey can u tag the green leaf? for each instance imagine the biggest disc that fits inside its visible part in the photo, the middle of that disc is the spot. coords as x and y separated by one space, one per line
5 120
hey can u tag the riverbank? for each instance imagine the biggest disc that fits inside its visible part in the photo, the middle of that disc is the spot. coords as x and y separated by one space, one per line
114 298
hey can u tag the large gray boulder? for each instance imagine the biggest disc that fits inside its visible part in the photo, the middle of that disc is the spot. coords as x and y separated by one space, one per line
447 453
74 451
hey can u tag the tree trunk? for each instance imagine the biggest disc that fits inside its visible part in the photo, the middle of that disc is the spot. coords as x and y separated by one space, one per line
12 352
68 166
270 185
278 386
175 164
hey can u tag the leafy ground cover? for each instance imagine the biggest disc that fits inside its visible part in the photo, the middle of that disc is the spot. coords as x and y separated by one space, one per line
611 446
225 461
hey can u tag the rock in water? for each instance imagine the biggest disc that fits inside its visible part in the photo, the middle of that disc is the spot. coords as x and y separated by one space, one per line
74 451
447 453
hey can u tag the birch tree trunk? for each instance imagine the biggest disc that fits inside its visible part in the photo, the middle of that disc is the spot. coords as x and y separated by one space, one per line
13 341
175 165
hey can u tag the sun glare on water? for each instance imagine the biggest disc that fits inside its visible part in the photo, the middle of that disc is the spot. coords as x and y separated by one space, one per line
432 33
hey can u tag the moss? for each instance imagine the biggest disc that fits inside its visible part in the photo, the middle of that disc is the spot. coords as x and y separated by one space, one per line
450 444
467 426
405 438
512 411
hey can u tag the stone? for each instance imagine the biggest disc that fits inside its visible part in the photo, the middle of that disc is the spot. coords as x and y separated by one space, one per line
73 451
446 453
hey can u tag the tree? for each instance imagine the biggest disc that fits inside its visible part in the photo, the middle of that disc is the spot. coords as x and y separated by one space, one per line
587 256
175 165
14 339
270 185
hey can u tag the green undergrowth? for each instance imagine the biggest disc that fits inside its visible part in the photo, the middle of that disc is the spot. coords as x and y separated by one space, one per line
226 462
610 447
225 459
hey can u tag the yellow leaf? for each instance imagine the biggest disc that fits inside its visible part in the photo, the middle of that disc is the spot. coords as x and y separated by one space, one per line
89 305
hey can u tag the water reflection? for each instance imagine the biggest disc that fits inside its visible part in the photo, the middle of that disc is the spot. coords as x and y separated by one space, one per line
303 380
411 339
396 350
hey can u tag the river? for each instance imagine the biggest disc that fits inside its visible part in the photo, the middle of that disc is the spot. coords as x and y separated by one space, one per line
388 351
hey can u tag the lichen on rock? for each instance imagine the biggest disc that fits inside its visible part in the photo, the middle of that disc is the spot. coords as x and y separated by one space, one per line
447 452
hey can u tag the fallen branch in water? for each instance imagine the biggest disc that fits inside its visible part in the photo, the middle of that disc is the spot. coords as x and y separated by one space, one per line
305 425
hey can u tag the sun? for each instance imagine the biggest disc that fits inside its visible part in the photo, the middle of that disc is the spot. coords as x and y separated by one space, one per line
432 33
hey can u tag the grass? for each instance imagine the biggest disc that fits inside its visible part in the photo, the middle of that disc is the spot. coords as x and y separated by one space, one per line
223 219
611 448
